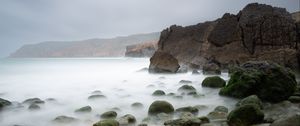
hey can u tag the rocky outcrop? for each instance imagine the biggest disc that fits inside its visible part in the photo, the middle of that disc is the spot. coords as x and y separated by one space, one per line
269 81
162 62
141 50
257 32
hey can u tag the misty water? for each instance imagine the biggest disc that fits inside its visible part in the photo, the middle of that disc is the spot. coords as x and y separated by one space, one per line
70 81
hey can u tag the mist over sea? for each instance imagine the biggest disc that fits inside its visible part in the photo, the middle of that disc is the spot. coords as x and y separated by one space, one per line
70 81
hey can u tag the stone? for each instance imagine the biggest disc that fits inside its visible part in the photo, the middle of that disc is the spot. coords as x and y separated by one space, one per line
185 82
269 81
245 115
96 96
294 99
158 93
183 122
109 115
137 105
162 62
221 109
160 106
107 122
4 103
187 88
34 107
214 82
65 119
252 99
127 120
84 109
34 101
289 121
188 109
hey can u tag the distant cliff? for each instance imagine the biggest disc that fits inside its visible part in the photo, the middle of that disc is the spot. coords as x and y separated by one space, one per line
257 32
141 50
113 47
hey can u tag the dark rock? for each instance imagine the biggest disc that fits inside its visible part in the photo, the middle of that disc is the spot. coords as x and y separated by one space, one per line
217 115
162 62
34 101
159 107
294 99
137 105
289 121
158 93
214 82
107 122
127 120
221 109
245 115
34 107
4 103
96 96
183 122
84 109
187 88
204 119
252 100
65 119
211 68
109 115
269 81
188 109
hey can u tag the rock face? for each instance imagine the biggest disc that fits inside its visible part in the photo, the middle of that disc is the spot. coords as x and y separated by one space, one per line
257 32
269 81
141 50
162 62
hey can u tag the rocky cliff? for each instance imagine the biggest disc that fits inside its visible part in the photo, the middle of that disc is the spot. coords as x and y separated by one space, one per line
257 32
141 50
86 48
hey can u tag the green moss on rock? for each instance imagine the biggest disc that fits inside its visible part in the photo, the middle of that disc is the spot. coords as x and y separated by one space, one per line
108 122
159 107
245 115
214 82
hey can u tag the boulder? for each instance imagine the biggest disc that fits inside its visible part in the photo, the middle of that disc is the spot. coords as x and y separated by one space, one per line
162 62
269 81
214 82
158 93
65 119
245 115
221 109
127 120
4 103
34 107
252 100
289 121
107 122
294 99
137 105
160 106
109 115
84 109
34 101
96 96
183 122
190 109
187 88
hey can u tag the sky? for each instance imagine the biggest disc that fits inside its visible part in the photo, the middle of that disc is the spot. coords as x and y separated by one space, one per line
32 21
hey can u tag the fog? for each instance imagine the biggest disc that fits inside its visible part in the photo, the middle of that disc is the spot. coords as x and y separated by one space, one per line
31 21
71 81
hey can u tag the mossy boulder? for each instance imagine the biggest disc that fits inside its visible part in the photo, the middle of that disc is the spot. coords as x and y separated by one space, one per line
109 115
84 109
252 99
4 103
158 93
160 106
269 81
214 82
245 115
127 120
107 122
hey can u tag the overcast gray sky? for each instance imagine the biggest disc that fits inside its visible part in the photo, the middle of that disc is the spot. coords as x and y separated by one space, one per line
32 21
